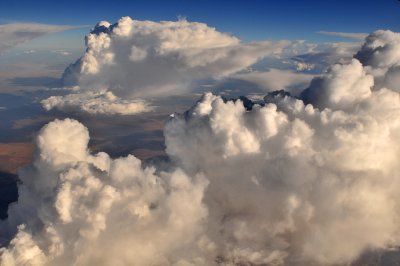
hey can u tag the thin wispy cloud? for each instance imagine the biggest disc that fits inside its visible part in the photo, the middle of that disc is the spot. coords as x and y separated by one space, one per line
61 52
350 35
12 34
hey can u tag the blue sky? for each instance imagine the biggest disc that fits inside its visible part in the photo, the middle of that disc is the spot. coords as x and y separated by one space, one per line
249 20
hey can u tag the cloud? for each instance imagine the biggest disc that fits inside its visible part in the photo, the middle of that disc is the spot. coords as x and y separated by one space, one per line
319 57
343 86
92 102
142 59
380 49
290 184
61 52
101 202
381 57
13 34
311 180
276 79
29 51
301 66
322 163
350 35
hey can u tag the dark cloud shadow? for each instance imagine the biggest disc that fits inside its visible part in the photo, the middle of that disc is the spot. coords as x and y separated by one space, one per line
8 192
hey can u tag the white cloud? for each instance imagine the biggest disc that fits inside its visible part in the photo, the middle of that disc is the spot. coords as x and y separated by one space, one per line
61 52
29 51
343 86
88 206
301 66
96 102
381 57
13 34
282 183
318 57
380 49
293 185
276 79
141 59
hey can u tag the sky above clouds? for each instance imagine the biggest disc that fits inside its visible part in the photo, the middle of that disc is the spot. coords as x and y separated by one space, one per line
252 20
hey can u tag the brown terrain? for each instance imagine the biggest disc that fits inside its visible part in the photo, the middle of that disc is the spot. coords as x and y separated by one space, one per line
145 154
14 155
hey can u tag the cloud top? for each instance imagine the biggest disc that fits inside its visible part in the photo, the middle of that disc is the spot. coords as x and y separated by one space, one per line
146 58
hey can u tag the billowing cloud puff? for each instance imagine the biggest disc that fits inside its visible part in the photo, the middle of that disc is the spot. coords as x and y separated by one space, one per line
145 58
140 59
380 54
381 49
288 181
74 206
342 86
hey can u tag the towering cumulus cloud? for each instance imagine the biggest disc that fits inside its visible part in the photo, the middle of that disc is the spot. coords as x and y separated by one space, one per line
288 181
76 208
140 59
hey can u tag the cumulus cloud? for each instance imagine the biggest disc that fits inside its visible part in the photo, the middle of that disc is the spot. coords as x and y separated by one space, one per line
290 184
311 180
343 86
89 202
96 102
381 57
141 59
13 34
